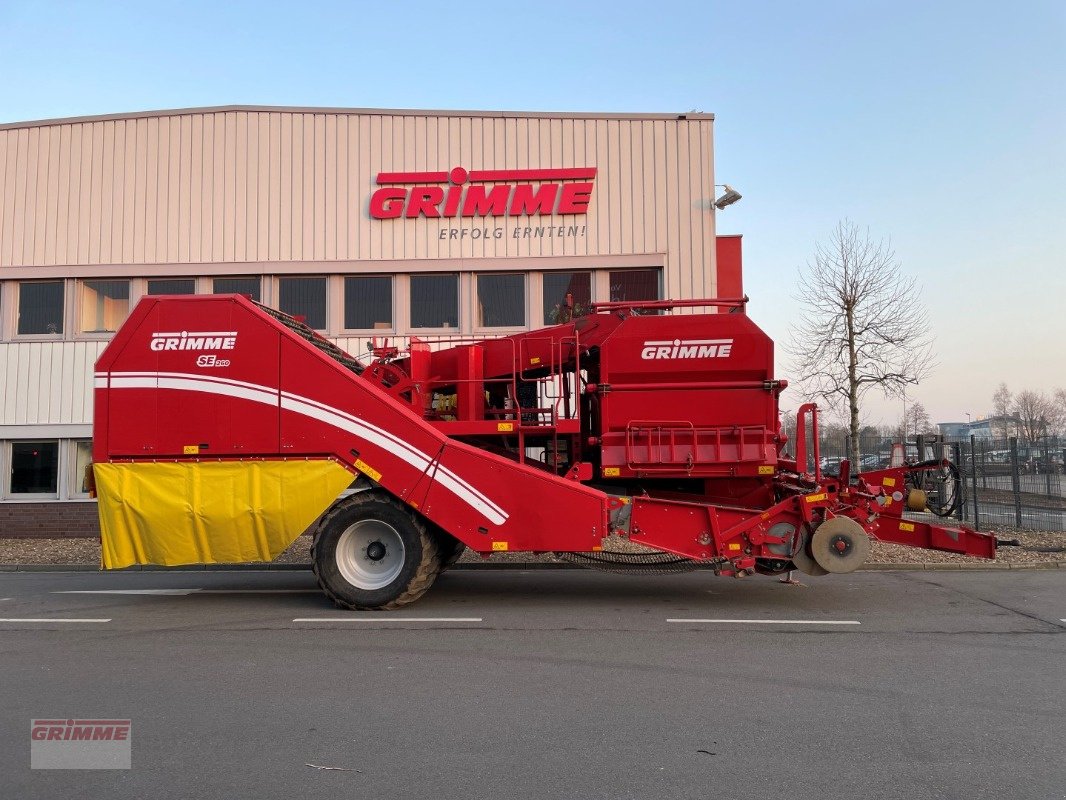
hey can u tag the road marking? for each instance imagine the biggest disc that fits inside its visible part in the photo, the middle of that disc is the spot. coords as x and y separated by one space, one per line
260 591
183 592
775 621
386 620
52 619
167 592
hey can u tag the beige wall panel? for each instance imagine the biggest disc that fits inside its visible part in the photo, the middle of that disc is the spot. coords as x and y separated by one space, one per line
193 210
126 222
17 209
105 187
151 193
35 193
92 216
50 178
8 146
52 382
236 186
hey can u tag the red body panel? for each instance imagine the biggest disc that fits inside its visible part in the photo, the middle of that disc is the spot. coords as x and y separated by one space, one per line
281 397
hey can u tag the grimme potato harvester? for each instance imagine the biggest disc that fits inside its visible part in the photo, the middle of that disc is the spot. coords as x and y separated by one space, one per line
224 429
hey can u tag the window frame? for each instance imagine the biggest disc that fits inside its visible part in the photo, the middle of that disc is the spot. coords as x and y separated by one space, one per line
659 290
539 303
394 283
148 281
441 331
68 306
264 281
277 281
74 491
8 464
475 302
79 302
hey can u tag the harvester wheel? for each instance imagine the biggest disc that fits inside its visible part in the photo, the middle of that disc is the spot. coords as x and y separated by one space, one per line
451 549
805 562
370 552
840 545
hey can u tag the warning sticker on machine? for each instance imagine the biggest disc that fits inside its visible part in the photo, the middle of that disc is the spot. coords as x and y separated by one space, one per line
814 498
367 470
498 547
906 526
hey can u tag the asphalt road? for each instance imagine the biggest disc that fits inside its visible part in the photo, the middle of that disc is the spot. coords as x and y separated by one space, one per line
555 684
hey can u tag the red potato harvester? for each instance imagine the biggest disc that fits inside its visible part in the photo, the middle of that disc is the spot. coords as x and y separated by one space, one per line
224 429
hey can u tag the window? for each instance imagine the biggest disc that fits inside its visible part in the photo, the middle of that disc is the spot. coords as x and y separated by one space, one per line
83 456
634 284
435 301
368 302
501 300
245 286
40 307
304 298
557 285
172 286
104 304
34 467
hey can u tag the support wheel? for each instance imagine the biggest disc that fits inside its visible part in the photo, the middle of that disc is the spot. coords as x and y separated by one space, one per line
371 552
840 545
804 561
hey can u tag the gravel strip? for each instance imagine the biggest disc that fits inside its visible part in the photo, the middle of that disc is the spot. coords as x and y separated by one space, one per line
1037 547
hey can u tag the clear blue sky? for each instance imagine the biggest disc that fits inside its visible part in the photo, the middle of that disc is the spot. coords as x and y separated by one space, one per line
939 124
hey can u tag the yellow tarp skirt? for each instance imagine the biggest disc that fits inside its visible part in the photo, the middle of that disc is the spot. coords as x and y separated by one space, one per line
210 512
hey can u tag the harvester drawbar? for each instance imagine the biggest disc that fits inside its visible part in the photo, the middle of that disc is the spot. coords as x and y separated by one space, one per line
224 429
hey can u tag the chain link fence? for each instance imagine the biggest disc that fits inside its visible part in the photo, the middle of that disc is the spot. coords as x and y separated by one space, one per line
1000 482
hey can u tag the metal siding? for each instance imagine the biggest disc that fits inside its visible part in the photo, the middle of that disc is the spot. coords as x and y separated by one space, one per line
214 191
52 382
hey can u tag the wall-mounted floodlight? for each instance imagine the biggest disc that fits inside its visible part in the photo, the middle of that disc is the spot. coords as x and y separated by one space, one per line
729 197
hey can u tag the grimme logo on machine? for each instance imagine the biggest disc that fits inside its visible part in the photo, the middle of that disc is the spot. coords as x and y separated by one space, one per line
459 193
194 340
688 348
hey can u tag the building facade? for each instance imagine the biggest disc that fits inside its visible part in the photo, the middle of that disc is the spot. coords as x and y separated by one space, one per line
366 223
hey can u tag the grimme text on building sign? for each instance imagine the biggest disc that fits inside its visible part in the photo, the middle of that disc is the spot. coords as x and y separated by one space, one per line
482 193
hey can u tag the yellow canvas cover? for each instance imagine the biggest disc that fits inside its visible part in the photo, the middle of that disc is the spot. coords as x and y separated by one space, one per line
194 512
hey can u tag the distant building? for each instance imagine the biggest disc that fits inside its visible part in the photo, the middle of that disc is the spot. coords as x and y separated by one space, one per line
980 428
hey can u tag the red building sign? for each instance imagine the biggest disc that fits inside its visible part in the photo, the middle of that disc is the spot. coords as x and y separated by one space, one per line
482 193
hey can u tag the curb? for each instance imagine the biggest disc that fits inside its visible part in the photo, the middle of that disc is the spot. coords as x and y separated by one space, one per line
504 565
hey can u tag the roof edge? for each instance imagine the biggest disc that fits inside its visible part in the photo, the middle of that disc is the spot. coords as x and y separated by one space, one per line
392 112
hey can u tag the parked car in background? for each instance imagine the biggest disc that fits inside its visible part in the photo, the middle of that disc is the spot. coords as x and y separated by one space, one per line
830 465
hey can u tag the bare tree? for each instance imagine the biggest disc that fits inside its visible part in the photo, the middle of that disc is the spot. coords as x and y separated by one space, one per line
916 421
1003 411
1038 414
862 325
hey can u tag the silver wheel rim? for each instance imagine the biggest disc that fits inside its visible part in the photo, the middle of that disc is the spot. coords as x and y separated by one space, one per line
370 554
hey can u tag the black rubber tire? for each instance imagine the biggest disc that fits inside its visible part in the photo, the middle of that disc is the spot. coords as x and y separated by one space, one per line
422 560
451 549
